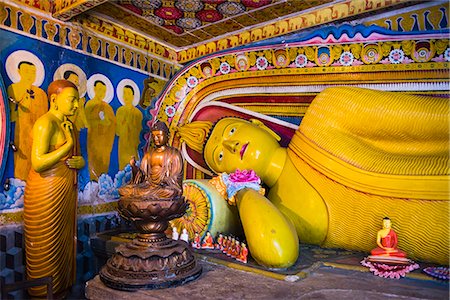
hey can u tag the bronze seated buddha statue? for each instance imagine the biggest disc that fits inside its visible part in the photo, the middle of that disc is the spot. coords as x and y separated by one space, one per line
160 173
152 198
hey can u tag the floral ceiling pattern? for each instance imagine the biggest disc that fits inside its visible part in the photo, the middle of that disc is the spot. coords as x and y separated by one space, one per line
186 15
197 20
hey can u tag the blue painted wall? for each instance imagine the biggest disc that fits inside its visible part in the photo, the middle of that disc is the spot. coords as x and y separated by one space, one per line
52 57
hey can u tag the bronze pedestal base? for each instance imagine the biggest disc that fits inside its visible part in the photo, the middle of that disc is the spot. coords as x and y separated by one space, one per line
151 261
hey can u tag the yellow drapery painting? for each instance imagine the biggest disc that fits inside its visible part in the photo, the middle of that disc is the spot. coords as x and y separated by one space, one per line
101 130
129 126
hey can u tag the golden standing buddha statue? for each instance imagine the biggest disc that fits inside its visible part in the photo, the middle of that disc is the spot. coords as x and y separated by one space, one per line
50 201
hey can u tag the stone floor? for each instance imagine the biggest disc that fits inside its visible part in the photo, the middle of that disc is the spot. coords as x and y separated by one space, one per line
321 281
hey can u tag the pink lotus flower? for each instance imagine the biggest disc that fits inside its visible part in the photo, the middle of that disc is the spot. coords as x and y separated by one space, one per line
244 176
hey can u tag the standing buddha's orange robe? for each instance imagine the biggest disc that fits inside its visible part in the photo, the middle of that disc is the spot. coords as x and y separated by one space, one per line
50 208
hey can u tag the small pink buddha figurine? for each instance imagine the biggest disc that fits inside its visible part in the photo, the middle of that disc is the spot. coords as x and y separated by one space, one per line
387 241
208 242
231 247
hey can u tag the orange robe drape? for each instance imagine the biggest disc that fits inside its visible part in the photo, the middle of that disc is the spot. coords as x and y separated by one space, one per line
50 207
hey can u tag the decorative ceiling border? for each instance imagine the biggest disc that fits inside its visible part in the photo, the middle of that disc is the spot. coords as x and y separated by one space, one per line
372 53
422 17
121 34
64 10
289 24
286 25
42 26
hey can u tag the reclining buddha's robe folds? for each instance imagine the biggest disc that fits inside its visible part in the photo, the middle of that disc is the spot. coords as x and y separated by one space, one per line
373 154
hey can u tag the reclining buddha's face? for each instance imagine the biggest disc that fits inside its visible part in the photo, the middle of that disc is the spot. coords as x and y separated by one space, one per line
239 144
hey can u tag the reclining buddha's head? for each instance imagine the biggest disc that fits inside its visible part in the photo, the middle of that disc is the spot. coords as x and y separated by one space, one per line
235 143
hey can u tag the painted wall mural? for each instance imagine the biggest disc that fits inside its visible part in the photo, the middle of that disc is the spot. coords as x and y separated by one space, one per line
109 120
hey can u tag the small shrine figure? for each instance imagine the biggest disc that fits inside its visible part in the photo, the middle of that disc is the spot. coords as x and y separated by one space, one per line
237 249
228 245
196 242
387 241
219 242
184 235
224 244
231 246
243 253
386 260
175 234
160 174
208 242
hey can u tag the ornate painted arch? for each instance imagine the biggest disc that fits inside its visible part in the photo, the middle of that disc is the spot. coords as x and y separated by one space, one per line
278 79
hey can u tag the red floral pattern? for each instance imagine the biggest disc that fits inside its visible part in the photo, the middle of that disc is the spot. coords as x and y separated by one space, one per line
168 13
206 11
209 15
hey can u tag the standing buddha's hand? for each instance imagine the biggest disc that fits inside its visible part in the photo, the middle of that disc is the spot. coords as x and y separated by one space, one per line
75 162
67 130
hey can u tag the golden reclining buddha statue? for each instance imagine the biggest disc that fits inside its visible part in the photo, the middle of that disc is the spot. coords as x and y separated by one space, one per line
359 155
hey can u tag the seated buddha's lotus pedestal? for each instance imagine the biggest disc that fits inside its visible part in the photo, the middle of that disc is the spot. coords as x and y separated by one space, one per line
152 260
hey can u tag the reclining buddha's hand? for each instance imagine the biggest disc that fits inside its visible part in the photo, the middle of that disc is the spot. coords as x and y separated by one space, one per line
271 237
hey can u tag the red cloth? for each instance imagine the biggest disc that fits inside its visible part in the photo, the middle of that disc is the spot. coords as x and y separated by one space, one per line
389 241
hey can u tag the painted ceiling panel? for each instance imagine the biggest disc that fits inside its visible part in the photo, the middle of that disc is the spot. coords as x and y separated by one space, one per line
189 29
182 17
187 22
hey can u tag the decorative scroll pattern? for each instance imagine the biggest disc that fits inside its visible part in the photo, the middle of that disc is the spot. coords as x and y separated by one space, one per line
44 5
77 38
429 18
123 35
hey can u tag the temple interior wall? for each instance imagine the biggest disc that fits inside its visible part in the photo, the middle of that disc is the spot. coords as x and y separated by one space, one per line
273 79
